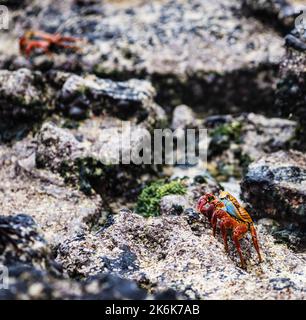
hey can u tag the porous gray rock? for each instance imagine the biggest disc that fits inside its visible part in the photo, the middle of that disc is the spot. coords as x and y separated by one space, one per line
132 99
56 145
32 274
22 245
24 100
183 117
20 90
235 142
282 11
290 95
275 186
173 204
168 252
61 211
207 51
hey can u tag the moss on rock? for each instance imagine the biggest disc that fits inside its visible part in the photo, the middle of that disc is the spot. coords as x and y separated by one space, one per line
149 199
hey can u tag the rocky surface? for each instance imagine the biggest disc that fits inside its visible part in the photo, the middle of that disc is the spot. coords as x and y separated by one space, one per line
237 141
275 187
180 252
76 224
32 273
59 210
282 11
24 99
94 162
133 99
291 86
16 233
237 58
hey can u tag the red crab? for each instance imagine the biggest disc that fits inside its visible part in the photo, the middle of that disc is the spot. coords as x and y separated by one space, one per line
232 216
47 42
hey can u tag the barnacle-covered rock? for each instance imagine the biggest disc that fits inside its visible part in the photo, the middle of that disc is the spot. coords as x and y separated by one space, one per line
237 141
168 252
61 211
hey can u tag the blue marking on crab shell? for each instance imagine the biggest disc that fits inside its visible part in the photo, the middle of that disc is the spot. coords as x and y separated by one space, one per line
231 209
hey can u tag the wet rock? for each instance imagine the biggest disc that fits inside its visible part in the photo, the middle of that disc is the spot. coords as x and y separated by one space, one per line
275 187
169 254
237 141
60 211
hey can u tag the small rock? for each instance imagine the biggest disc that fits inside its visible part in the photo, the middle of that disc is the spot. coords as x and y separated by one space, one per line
183 118
173 204
275 186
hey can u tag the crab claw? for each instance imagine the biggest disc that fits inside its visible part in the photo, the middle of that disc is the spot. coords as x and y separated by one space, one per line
207 198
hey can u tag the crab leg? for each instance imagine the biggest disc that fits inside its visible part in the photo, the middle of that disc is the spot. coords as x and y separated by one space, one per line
224 234
238 233
44 45
255 241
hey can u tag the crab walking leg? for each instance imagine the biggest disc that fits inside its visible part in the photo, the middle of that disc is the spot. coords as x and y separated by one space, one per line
44 45
238 233
214 219
255 241
224 233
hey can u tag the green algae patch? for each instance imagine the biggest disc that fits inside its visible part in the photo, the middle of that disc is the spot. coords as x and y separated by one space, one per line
149 199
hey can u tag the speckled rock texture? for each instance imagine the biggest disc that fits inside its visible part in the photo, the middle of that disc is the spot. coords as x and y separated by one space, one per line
22 244
32 273
59 210
31 284
238 57
81 96
290 98
24 99
275 185
78 223
283 11
181 253
237 141
92 162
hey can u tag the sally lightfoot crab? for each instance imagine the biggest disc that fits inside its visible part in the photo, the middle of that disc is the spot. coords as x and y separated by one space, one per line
46 42
232 216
